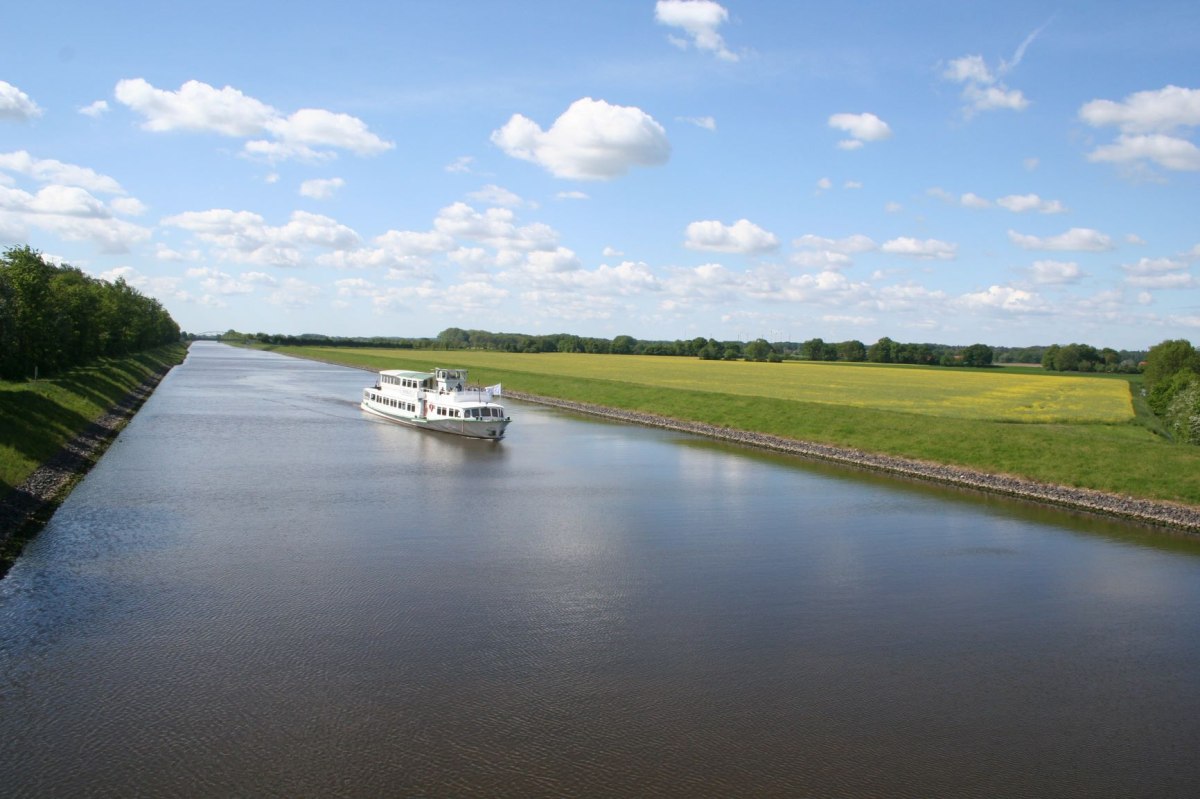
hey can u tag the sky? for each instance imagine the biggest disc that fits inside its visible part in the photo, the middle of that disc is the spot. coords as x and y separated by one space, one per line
1013 173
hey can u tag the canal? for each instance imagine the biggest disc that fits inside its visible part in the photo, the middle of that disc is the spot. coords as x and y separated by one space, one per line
262 591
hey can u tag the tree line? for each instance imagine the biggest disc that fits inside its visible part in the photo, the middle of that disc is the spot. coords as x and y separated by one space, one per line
55 317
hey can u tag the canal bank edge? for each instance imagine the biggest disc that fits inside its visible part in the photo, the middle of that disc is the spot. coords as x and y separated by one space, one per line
28 506
1154 512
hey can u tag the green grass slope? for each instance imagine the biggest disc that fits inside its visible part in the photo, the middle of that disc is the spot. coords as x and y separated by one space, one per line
38 417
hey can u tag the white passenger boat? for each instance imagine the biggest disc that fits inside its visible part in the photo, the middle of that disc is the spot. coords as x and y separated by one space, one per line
437 400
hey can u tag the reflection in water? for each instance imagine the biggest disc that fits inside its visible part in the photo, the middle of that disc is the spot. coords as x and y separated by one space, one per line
261 590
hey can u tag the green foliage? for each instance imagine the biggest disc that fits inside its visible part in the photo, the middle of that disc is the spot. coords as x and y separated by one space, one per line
977 355
1182 414
56 317
759 350
1167 359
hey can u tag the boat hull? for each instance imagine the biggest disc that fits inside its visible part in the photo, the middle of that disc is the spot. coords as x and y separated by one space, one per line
488 429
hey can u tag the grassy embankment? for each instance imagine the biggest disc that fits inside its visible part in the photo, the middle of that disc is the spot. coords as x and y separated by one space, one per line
1081 431
38 417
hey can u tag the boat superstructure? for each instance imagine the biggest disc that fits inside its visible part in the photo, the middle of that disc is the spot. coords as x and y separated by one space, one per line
439 400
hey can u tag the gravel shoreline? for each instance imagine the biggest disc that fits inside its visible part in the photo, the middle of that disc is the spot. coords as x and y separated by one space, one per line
30 504
1158 513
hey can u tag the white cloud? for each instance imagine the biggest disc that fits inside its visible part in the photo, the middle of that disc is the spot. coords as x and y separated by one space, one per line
198 107
990 98
850 245
708 123
321 188
592 140
1169 152
1055 273
824 184
460 165
865 127
195 107
294 293
982 88
742 236
1005 298
16 104
492 194
71 212
818 252
245 237
971 200
1159 273
48 170
1019 203
95 110
1085 239
1150 125
915 248
571 195
1162 111
699 19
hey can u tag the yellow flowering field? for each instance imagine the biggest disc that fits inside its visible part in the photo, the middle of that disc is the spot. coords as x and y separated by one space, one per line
993 395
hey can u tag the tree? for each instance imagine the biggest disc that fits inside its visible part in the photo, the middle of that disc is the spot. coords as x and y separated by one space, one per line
1169 357
977 355
853 350
882 351
758 350
623 345
813 349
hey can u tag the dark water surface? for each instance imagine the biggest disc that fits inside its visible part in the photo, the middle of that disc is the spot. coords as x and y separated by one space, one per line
260 591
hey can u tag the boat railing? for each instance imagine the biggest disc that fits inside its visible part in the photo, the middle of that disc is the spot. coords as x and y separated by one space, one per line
471 395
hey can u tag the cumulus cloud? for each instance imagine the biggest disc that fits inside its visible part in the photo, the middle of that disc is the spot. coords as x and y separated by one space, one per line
699 20
1020 203
309 133
1170 152
321 188
865 127
1055 273
742 236
96 109
15 104
1161 111
492 194
1152 126
1084 239
1005 298
245 237
1017 203
592 140
915 248
48 170
818 252
73 213
1159 273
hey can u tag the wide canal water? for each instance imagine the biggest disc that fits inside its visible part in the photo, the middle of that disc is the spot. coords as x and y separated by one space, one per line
261 591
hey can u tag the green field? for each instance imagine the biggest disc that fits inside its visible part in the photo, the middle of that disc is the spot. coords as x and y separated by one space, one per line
1084 431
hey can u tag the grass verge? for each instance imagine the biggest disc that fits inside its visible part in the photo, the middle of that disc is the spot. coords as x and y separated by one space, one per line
38 418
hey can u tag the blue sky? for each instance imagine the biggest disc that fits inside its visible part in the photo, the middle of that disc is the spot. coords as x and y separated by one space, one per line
1014 173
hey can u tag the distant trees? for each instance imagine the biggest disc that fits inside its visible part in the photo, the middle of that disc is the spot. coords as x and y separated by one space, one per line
54 317
1086 358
